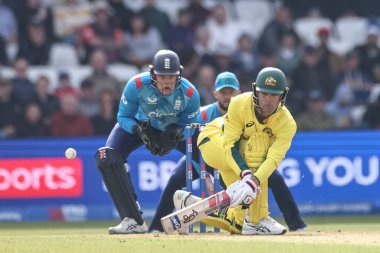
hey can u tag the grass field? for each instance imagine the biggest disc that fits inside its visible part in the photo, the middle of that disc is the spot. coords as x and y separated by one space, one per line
327 234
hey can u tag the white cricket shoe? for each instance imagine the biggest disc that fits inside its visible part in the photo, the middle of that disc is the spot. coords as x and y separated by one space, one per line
182 199
266 226
128 226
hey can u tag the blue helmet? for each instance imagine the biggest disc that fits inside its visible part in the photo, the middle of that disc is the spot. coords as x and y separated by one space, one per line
165 63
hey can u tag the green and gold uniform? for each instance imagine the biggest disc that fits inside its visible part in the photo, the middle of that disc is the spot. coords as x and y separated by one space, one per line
238 141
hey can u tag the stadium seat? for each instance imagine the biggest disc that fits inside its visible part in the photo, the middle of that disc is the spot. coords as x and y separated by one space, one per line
135 5
63 55
254 10
123 72
50 72
7 72
209 4
307 28
254 15
175 6
78 74
352 29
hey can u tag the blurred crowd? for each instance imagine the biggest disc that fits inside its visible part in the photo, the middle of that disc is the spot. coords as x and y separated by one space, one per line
329 52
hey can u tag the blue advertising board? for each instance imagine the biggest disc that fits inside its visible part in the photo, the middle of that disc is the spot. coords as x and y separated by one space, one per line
328 172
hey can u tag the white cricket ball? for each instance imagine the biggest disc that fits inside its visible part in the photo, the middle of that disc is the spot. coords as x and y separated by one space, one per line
70 153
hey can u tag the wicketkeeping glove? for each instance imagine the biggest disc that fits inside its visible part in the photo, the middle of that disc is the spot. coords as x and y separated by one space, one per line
169 138
148 135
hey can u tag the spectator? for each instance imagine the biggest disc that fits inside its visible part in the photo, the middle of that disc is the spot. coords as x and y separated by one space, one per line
100 76
181 36
68 121
371 116
36 47
224 33
205 84
356 81
289 53
47 102
202 42
105 120
327 57
273 32
22 87
3 53
375 92
310 75
32 123
102 34
88 103
141 42
198 12
65 86
122 15
10 110
8 24
369 53
245 59
69 17
156 18
315 117
34 10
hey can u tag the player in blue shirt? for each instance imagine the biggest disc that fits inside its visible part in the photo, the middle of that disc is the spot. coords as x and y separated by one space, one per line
226 87
154 109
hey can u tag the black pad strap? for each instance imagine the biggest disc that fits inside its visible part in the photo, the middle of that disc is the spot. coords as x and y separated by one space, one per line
118 182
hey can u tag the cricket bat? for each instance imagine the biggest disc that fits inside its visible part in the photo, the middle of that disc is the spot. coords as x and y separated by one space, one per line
195 212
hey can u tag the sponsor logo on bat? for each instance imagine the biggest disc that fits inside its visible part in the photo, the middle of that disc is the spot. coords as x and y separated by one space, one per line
175 222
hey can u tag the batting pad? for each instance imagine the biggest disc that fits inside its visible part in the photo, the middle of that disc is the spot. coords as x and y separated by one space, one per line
118 182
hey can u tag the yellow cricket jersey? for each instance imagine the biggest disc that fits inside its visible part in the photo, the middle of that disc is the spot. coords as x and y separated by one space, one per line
248 144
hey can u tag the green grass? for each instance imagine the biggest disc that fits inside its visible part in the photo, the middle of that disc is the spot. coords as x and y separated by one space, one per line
326 234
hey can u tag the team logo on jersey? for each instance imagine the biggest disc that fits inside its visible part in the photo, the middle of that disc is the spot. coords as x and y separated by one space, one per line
270 81
124 99
167 63
249 124
152 100
177 104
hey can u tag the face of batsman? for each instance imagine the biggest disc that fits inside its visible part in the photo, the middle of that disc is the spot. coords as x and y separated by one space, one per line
269 90
166 71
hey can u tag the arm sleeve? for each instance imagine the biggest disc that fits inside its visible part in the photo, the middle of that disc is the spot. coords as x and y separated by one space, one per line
277 151
128 107
233 130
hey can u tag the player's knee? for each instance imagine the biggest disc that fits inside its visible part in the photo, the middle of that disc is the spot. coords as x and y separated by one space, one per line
106 157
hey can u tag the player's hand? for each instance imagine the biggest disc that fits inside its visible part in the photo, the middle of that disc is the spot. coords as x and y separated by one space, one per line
243 192
169 138
148 135
209 185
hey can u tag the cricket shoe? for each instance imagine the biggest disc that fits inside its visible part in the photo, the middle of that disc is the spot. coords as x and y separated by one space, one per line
181 200
266 226
128 226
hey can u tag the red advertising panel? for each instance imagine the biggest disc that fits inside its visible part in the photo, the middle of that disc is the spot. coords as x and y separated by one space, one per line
40 178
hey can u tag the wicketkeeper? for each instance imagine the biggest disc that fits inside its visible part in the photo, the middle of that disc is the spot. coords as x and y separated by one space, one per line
154 109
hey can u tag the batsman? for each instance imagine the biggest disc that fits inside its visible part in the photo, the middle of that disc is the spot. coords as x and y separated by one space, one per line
254 135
